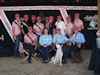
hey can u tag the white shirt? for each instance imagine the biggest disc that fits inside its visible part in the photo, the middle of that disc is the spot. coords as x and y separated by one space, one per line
61 25
39 28
32 36
16 28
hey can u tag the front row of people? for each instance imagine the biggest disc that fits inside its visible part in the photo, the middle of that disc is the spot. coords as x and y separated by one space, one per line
47 42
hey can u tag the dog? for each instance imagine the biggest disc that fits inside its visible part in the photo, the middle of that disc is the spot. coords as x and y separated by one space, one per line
58 56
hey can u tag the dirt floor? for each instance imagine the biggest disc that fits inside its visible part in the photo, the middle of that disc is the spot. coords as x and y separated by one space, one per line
12 66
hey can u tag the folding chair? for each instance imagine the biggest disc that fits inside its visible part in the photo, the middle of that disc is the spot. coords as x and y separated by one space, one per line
34 58
52 51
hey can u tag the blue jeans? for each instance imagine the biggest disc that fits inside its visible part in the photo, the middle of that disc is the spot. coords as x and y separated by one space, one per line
44 52
66 51
38 36
16 46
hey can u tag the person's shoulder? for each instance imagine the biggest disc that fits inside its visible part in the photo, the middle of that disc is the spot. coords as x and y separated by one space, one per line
42 35
13 22
34 34
50 35
80 33
42 24
80 20
61 21
34 25
56 22
25 36
55 34
71 23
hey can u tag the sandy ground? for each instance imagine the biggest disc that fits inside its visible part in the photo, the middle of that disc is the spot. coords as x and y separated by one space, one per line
12 66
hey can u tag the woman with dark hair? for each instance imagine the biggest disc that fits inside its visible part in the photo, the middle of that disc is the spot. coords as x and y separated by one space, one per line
38 27
16 29
45 42
30 40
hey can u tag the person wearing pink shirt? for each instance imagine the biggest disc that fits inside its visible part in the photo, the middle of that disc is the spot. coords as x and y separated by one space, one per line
38 27
69 26
30 39
78 22
16 29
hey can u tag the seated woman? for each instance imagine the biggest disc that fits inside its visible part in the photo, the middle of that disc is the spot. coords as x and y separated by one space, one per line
30 40
45 42
77 39
62 39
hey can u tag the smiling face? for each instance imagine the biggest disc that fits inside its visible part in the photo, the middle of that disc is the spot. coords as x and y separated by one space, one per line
39 19
26 18
45 31
68 19
33 18
75 29
30 30
51 19
59 18
17 16
46 19
77 15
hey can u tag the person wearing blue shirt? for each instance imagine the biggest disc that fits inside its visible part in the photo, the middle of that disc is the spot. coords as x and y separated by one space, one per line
62 39
77 39
45 41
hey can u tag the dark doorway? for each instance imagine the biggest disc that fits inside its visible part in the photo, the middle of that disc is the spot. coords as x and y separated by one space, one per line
7 47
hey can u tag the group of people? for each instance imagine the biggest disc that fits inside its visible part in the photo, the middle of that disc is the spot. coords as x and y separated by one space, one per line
32 31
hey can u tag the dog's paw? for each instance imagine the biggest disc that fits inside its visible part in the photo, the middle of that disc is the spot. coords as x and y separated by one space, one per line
60 64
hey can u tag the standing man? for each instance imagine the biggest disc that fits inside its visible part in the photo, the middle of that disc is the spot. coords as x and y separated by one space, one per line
60 24
16 29
78 22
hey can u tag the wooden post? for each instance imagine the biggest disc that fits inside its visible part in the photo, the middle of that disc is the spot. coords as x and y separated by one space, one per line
99 14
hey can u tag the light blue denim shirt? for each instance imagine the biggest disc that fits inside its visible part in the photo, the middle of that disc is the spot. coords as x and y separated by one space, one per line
45 39
78 38
59 38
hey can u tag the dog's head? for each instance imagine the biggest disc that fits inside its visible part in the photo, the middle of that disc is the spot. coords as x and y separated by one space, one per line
58 46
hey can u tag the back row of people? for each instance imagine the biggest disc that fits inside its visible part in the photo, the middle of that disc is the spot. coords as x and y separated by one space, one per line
49 33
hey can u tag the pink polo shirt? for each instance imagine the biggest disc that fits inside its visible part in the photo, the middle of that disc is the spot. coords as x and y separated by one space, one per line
79 23
69 28
38 28
32 36
16 29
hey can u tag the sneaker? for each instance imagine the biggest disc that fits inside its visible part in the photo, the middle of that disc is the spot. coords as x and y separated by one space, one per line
45 61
